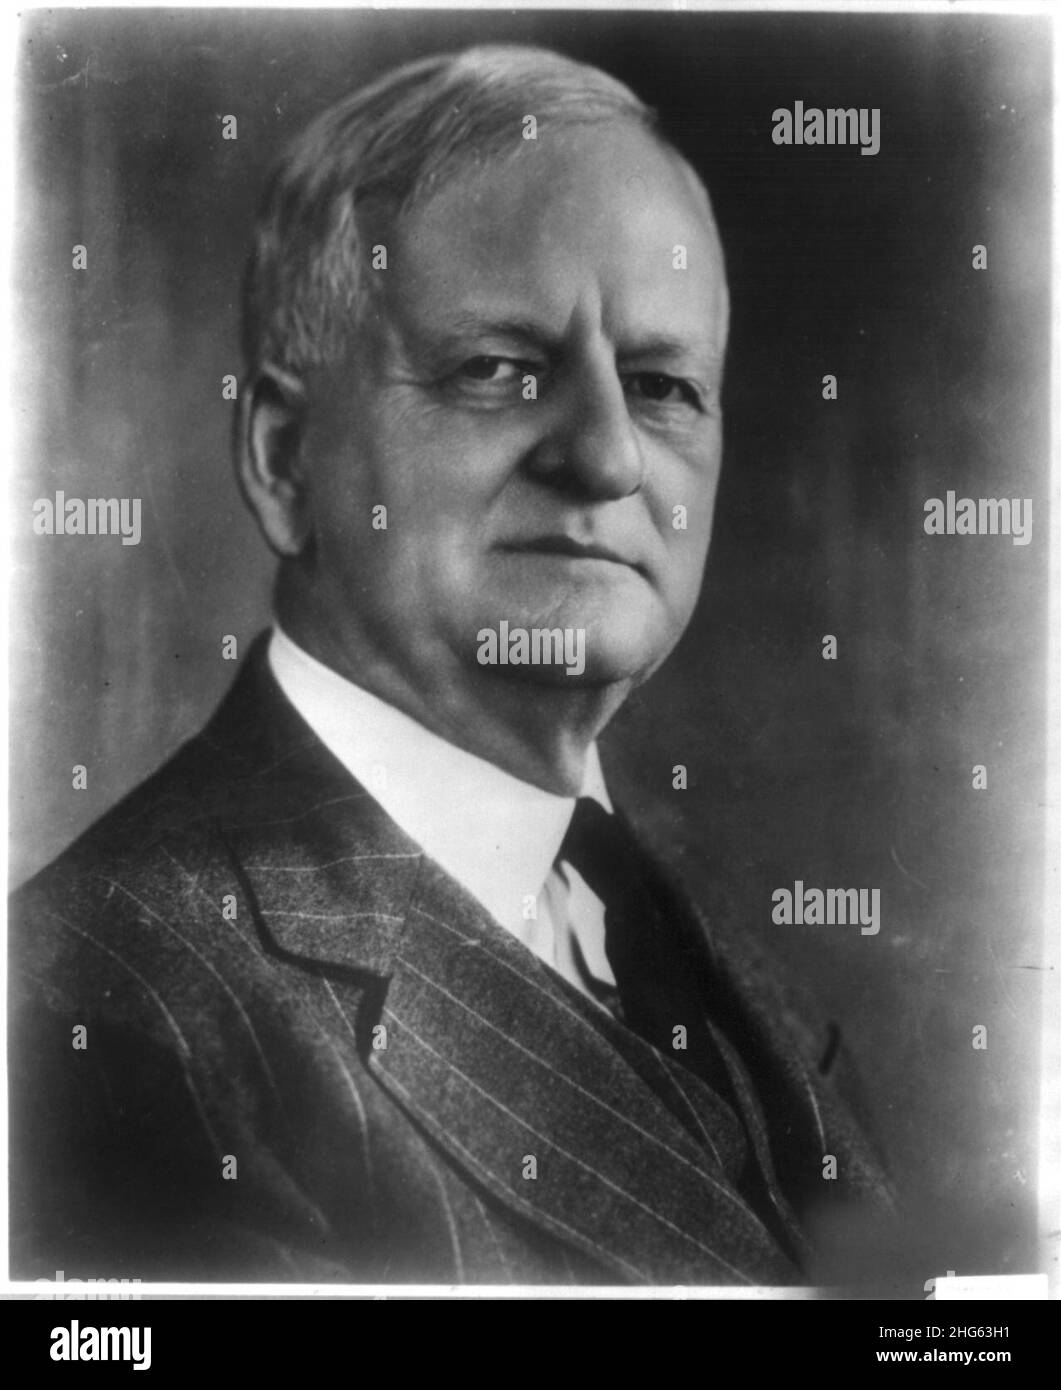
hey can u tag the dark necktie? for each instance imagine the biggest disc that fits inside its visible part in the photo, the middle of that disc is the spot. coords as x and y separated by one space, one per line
656 972
661 984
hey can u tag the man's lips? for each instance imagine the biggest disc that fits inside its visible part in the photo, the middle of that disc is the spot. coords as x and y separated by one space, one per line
572 549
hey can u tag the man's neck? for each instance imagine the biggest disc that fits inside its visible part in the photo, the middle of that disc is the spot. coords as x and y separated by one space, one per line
540 733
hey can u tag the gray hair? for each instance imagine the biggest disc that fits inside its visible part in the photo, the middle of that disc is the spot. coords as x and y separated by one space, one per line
393 141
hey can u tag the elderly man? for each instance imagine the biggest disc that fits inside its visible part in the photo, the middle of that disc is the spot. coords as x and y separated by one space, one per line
372 982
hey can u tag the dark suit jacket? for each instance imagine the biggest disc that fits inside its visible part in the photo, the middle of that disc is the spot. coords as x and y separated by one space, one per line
233 936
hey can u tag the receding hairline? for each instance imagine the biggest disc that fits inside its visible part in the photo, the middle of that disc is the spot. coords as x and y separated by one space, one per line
679 181
389 146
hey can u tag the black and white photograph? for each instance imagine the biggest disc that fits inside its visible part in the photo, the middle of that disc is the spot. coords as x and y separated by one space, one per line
529 654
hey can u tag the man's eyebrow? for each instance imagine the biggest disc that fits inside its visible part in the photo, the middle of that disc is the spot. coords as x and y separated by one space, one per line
501 326
670 347
649 344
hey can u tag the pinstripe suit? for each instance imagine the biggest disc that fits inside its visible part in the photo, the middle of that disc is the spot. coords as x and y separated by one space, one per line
235 936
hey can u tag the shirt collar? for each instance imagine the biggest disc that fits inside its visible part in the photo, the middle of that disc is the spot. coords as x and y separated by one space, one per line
495 834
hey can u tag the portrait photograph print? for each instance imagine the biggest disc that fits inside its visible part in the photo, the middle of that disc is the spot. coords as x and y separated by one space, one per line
528 650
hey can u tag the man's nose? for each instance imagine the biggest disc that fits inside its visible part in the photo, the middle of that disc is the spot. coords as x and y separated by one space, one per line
591 447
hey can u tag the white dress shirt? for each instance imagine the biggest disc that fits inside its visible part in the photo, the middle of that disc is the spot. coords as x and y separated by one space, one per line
498 836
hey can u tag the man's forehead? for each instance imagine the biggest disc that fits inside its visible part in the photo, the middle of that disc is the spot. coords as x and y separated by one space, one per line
614 180
609 213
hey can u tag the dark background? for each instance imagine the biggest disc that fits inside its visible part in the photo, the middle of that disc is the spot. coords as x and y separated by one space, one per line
850 773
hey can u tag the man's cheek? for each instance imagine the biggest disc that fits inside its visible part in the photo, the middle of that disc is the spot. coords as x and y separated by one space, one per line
683 570
435 487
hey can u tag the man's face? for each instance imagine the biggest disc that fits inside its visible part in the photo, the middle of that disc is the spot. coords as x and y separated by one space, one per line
546 506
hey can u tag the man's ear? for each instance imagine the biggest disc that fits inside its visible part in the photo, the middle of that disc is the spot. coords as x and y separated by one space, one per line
268 458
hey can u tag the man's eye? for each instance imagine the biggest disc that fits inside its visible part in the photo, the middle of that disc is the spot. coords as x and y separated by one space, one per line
661 389
494 369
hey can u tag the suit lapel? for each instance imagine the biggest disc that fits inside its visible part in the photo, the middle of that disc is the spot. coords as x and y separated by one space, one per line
530 1093
747 1005
491 1053
499 1062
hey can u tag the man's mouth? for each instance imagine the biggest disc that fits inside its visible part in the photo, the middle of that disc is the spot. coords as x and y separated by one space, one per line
573 549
